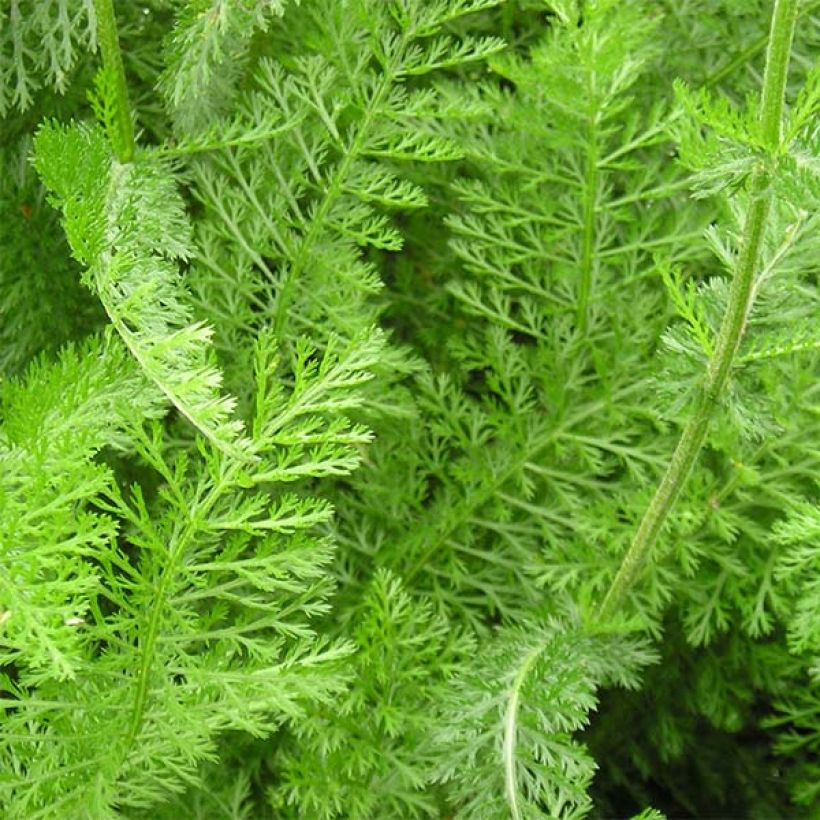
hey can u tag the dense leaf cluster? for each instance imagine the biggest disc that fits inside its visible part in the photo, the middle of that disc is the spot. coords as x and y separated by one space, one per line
331 402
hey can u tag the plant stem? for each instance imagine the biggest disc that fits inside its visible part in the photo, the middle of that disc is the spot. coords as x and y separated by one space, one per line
510 731
112 62
588 241
741 296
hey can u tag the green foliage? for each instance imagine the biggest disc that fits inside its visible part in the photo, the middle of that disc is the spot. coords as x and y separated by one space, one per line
204 611
373 755
205 55
42 304
348 122
39 44
128 226
55 422
798 717
332 400
506 740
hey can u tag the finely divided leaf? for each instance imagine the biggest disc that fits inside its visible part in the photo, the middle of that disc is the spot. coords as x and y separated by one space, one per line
128 225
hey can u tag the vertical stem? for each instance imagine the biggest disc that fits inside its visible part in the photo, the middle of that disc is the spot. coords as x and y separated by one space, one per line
588 238
784 18
112 62
741 294
589 49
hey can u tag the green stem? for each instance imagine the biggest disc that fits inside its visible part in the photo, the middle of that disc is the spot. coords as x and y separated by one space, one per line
112 62
590 199
741 296
510 731
332 193
588 239
180 541
751 51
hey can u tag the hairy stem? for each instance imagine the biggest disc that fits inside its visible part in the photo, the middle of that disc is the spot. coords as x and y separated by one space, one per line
741 296
112 62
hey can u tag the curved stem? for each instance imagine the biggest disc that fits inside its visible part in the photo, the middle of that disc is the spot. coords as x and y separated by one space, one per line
741 296
112 62
510 731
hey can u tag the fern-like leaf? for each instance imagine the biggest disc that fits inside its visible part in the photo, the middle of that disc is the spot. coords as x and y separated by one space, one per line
507 745
127 224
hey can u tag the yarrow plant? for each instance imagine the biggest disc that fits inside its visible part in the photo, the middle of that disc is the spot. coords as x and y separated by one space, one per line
409 408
